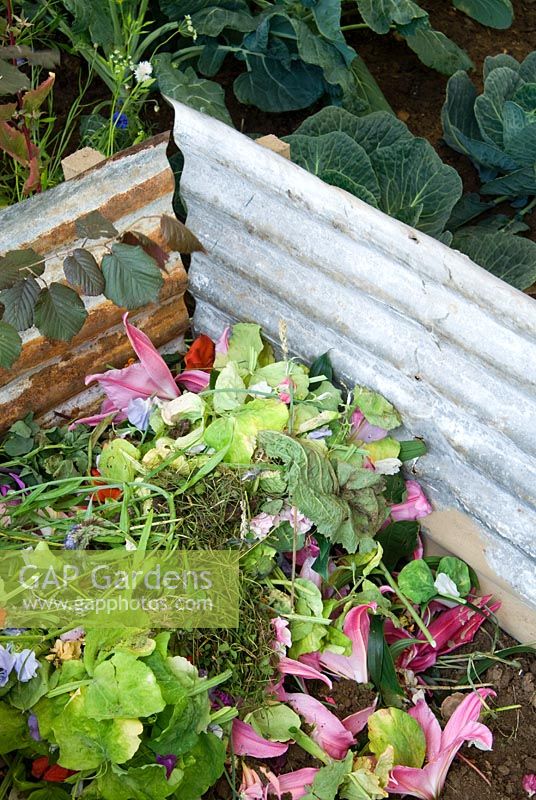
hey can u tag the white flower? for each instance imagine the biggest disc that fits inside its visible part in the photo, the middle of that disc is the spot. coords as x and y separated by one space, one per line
129 546
143 71
387 466
446 585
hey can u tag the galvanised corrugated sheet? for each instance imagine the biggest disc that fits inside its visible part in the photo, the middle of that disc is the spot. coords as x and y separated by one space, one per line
131 190
449 344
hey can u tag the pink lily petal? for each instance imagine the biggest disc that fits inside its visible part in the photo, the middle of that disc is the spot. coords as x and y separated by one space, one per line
296 784
414 507
431 727
427 783
283 638
529 784
450 629
329 732
194 380
467 712
308 572
355 723
288 666
247 742
356 627
251 786
311 659
152 362
222 344
123 385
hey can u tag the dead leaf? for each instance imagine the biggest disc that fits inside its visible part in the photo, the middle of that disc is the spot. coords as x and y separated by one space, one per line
179 237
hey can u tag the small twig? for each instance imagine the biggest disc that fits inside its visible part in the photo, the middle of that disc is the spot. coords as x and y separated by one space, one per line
473 766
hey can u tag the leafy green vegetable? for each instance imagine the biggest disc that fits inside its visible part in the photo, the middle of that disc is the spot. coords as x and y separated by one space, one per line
119 461
395 728
238 432
188 88
417 582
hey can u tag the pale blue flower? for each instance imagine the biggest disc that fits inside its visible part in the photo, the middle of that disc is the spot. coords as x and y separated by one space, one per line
7 662
26 665
139 411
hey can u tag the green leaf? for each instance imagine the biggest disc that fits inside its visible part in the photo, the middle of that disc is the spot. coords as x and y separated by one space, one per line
499 86
416 581
373 132
25 695
338 160
273 721
50 793
59 312
416 186
148 782
19 264
415 448
10 345
494 13
12 80
13 729
123 687
322 366
95 226
376 409
204 766
119 461
458 571
327 780
87 743
398 540
362 95
272 85
19 302
509 257
245 347
188 88
228 380
438 51
381 666
211 21
82 271
132 278
393 727
239 432
380 14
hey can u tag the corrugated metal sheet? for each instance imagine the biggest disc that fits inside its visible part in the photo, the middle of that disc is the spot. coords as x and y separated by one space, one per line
449 344
131 190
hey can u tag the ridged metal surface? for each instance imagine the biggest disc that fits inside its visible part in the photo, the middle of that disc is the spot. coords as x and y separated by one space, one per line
131 190
449 344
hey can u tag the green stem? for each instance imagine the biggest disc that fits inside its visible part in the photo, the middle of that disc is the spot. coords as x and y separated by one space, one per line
147 42
307 744
528 208
407 605
357 27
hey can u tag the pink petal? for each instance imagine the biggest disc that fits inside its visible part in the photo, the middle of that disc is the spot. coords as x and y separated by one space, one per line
416 782
431 727
152 362
356 627
251 785
222 345
356 722
329 732
295 783
194 380
288 666
414 507
529 784
247 742
467 712
283 638
308 572
123 385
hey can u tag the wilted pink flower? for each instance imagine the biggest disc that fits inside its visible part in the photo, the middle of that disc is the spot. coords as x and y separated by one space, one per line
529 784
286 384
251 787
328 732
442 746
363 431
310 549
283 639
356 627
194 380
262 524
247 742
309 573
449 629
222 345
296 784
355 723
289 666
414 507
296 519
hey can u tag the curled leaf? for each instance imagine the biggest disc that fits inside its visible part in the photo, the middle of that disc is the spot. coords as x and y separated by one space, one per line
178 236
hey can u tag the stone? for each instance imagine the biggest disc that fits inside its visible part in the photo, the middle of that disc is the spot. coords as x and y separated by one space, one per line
80 161
276 145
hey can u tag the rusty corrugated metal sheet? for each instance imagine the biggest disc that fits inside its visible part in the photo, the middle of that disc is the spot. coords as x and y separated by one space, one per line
131 190
449 344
